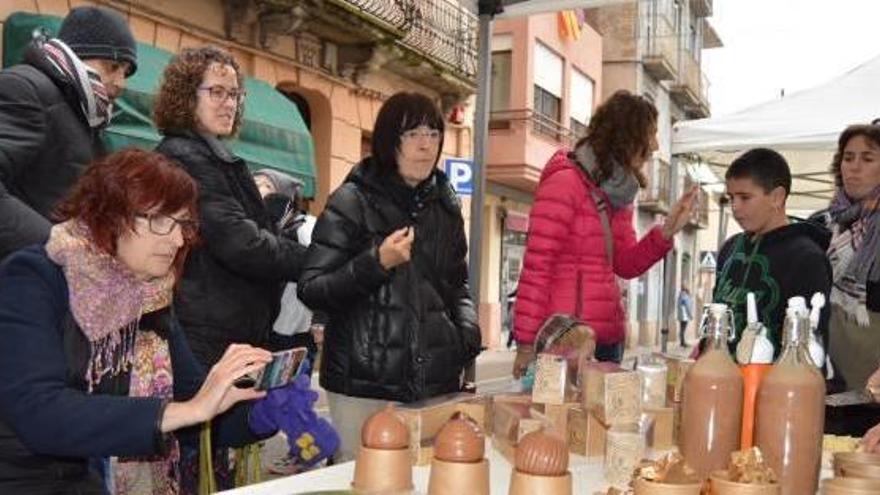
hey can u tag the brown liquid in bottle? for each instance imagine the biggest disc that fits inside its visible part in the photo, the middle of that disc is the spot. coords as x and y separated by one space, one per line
711 411
791 416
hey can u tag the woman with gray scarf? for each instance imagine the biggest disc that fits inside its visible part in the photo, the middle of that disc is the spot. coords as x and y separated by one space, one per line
581 234
855 246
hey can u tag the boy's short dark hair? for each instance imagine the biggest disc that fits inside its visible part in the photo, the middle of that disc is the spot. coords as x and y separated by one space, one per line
767 168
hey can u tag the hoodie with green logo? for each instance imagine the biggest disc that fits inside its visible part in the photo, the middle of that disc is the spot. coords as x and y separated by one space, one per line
785 262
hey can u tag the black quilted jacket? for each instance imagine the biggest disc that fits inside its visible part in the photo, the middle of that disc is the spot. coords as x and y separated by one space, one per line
403 334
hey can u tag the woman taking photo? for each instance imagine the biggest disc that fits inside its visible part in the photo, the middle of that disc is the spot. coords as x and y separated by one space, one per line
388 265
581 234
93 363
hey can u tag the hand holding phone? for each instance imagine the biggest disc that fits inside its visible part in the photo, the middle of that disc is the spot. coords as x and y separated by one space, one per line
284 368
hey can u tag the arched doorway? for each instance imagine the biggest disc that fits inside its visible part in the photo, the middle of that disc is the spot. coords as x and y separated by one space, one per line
315 110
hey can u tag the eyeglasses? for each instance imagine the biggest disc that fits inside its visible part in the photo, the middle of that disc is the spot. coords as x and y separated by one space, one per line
415 134
164 224
219 94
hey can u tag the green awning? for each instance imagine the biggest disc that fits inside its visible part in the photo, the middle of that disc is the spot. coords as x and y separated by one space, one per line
273 133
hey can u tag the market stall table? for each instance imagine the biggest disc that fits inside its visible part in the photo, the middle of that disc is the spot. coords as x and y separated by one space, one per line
586 474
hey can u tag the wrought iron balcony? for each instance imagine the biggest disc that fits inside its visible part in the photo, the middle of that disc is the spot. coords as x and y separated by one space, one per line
660 49
422 39
690 88
655 198
536 122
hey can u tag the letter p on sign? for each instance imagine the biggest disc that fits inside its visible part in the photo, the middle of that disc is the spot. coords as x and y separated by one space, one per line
461 174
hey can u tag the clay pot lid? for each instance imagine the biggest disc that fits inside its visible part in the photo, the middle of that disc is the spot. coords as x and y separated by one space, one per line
542 454
460 440
385 430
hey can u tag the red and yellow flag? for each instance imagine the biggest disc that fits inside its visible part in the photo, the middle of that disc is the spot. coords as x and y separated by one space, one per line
569 25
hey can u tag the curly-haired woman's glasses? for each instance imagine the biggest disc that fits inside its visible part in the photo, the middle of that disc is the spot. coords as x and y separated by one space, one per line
164 224
219 94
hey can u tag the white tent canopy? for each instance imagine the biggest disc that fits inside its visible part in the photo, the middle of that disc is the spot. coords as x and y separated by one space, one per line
803 126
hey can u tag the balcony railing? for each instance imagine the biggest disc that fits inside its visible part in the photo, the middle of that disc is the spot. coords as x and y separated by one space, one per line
660 47
443 31
690 89
536 122
655 197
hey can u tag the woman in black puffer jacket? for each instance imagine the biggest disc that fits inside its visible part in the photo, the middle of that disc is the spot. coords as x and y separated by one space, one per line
388 263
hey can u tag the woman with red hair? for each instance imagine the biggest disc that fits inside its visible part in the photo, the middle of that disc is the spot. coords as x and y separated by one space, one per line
93 363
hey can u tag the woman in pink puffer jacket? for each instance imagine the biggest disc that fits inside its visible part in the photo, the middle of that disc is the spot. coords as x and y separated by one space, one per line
566 267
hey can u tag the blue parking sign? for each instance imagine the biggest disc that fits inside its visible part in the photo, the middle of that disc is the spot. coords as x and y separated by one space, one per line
461 174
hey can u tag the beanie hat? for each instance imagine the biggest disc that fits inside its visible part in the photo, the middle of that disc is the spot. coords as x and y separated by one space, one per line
95 32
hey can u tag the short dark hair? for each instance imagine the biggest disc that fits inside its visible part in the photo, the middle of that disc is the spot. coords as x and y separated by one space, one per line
765 167
400 113
869 132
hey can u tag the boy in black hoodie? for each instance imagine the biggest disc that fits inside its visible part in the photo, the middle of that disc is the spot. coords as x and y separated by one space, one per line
774 257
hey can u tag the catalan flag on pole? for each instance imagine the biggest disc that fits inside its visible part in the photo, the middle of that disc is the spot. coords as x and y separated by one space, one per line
569 25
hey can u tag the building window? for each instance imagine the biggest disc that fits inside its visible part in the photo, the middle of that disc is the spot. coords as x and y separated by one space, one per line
547 112
580 103
548 91
500 81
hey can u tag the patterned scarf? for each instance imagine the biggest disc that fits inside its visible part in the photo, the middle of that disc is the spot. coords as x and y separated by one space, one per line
854 252
107 302
621 188
93 98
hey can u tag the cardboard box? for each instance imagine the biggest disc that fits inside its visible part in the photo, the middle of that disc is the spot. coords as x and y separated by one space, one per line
661 434
614 395
425 418
577 430
507 412
551 373
597 435
556 415
624 448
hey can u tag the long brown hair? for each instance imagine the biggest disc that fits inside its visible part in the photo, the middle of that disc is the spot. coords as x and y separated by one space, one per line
620 131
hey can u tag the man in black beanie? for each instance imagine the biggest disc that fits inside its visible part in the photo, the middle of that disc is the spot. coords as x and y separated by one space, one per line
53 107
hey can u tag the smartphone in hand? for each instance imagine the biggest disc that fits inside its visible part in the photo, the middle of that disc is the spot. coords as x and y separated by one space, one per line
284 368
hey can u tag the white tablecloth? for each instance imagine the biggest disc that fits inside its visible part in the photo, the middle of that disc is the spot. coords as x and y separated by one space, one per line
587 478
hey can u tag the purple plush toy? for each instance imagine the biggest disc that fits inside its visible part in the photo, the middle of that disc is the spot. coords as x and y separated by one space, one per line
289 409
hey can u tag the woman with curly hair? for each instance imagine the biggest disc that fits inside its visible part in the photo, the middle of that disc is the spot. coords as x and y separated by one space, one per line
581 232
232 282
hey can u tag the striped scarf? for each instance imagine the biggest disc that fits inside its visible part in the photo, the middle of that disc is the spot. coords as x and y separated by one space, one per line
93 99
854 252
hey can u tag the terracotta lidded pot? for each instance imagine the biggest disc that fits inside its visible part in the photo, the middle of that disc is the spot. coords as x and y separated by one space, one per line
541 465
459 464
384 462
